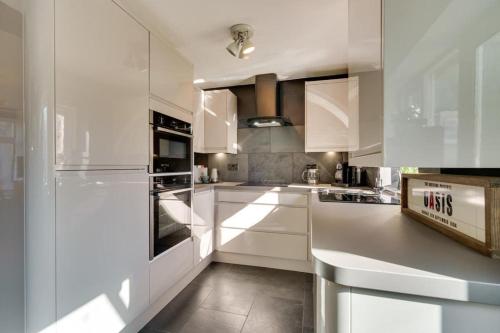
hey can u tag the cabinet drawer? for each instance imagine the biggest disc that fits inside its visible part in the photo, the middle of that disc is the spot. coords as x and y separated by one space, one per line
262 217
169 268
271 198
261 243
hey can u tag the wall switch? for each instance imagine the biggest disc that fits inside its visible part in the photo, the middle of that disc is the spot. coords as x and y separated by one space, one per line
232 167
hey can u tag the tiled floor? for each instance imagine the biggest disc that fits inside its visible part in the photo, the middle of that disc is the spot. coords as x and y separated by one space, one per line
235 298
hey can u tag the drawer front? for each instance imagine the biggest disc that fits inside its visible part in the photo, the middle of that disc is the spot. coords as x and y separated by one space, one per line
262 243
167 269
271 198
270 218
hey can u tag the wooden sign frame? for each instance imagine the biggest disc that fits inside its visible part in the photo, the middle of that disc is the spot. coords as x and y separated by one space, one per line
491 186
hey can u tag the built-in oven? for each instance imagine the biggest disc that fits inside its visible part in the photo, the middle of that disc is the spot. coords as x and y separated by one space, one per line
170 212
171 144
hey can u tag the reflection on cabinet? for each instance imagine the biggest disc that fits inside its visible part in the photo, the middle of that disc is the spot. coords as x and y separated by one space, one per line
270 224
198 121
330 124
220 121
203 224
102 241
440 78
101 113
171 76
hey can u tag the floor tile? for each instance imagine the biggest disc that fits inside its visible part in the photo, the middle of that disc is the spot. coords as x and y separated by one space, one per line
208 321
274 314
308 313
234 301
171 318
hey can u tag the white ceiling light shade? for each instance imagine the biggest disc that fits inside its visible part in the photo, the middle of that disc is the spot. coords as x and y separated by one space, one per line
242 46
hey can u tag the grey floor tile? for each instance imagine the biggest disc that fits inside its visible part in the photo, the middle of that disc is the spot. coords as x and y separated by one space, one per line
173 317
308 330
308 313
237 301
208 321
274 314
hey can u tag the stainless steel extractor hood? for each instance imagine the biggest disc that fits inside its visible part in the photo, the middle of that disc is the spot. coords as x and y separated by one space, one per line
266 87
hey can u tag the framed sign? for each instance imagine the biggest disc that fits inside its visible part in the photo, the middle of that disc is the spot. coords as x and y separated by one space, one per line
465 208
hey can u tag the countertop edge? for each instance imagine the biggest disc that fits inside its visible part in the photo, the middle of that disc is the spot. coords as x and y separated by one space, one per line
425 286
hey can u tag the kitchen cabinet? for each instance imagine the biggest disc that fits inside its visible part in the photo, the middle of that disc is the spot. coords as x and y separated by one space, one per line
169 267
102 242
221 122
101 85
270 224
330 124
365 78
198 121
203 225
171 75
437 78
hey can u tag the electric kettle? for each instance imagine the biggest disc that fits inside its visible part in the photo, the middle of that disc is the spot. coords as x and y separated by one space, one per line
311 174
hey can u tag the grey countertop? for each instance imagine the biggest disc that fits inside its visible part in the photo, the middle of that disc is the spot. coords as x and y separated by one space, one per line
376 247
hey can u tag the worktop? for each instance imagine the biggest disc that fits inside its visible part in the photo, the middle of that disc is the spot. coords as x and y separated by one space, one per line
376 247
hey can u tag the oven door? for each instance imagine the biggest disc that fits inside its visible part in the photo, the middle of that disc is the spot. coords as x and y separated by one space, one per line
171 151
170 220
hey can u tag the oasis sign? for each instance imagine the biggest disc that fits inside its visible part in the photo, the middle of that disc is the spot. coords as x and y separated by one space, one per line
458 207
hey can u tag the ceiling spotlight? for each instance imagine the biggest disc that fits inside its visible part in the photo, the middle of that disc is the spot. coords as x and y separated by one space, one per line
242 46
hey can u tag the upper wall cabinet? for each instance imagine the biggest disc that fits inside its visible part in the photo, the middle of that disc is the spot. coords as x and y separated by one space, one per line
330 124
365 80
101 85
198 121
441 73
220 122
171 76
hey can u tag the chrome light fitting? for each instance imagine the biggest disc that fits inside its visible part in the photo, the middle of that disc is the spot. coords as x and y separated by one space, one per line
242 45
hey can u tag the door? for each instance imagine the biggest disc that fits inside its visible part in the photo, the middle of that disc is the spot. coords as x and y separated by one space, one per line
101 84
203 225
102 238
216 121
328 119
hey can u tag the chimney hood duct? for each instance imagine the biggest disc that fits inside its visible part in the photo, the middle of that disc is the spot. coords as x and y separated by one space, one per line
266 87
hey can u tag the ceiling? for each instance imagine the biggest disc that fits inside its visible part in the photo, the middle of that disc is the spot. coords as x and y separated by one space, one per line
293 38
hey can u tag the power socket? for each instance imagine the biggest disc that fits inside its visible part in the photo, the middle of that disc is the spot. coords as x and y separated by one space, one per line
232 167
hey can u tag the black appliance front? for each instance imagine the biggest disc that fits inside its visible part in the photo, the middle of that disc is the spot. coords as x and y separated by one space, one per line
170 212
171 152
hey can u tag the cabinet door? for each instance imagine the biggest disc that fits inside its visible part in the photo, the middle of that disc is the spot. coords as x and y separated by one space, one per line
203 224
171 75
327 116
232 124
198 121
102 241
441 79
101 85
216 128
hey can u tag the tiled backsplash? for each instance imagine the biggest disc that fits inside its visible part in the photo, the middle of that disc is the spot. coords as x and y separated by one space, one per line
273 155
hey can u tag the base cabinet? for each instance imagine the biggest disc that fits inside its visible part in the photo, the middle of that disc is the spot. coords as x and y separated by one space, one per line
203 225
102 242
168 268
341 309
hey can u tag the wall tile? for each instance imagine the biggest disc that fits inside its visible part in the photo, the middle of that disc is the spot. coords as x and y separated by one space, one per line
220 161
270 167
253 140
326 163
288 139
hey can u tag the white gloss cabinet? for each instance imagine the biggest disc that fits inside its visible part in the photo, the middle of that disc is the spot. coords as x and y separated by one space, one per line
330 125
220 122
198 121
101 86
203 225
171 75
441 79
365 79
102 241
